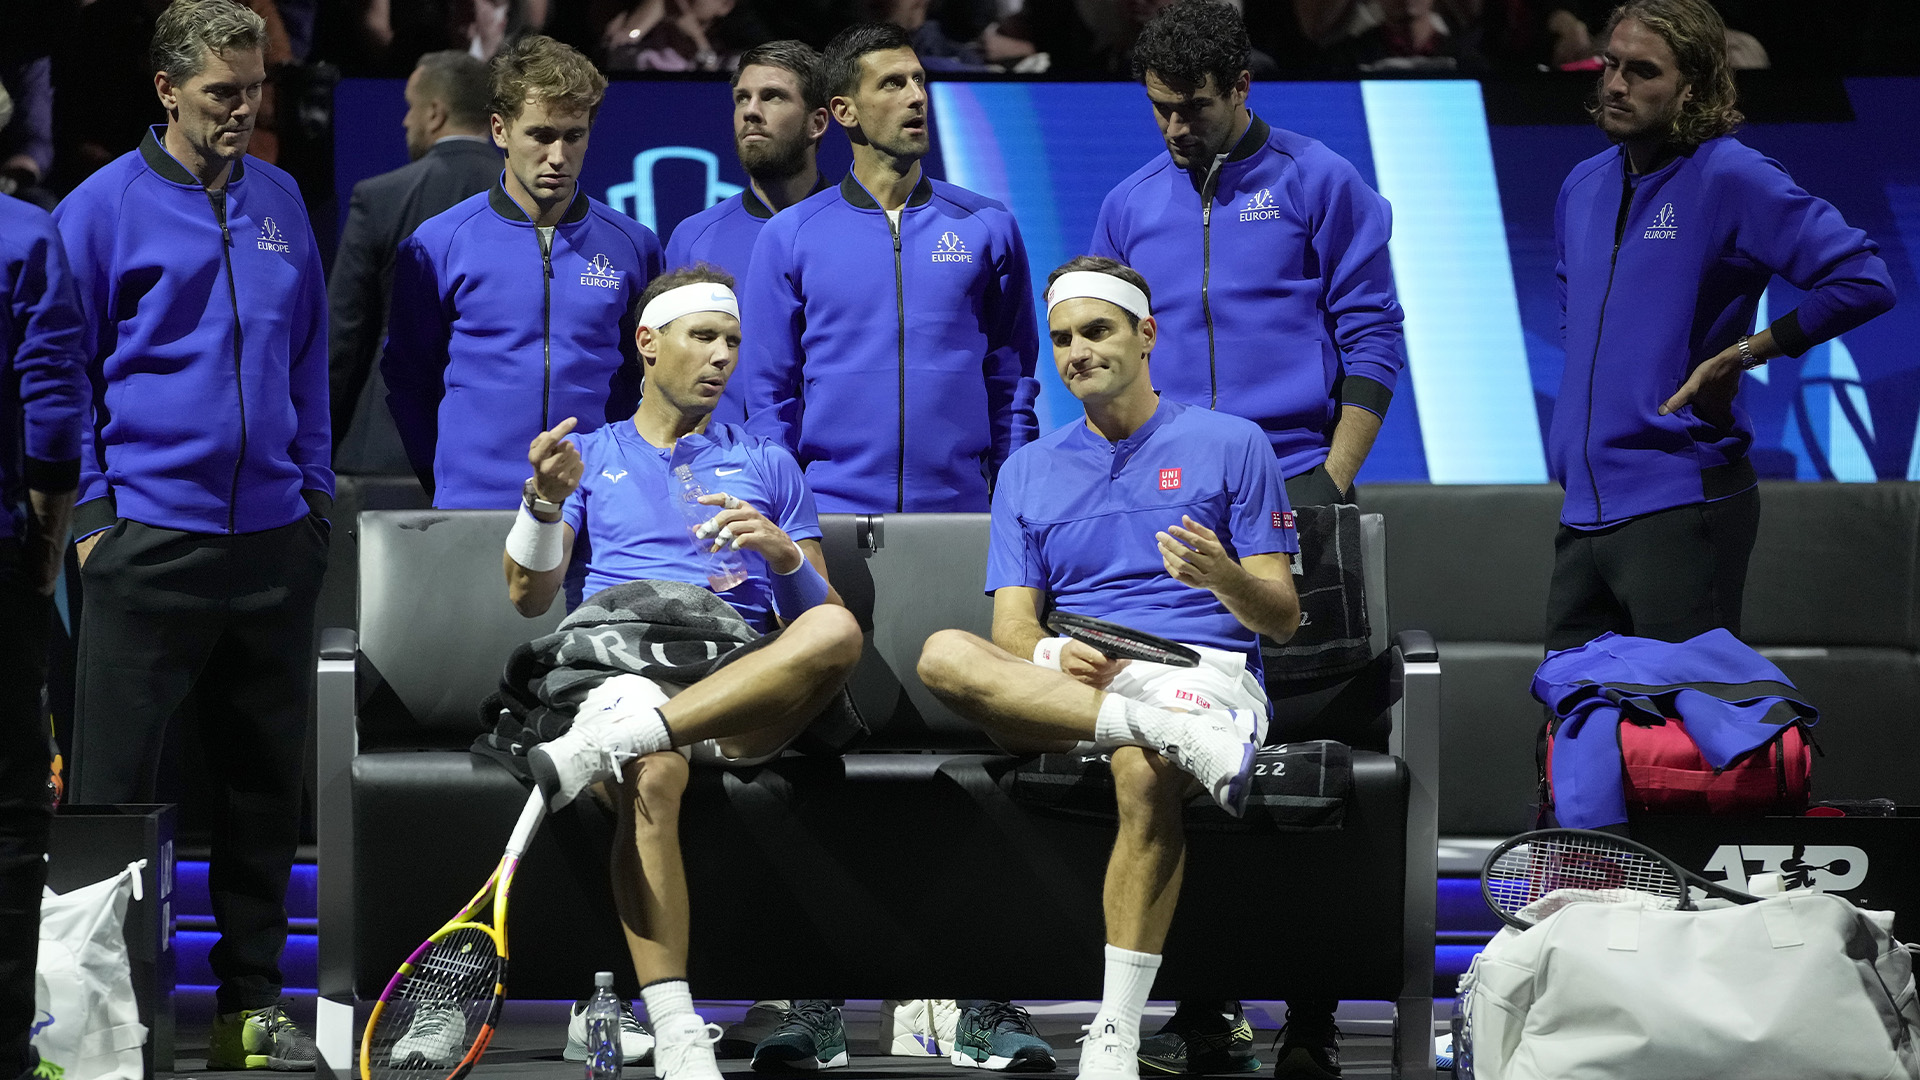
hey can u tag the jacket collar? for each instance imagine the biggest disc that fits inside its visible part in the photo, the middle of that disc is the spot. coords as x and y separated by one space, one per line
504 205
761 210
154 152
856 195
1251 142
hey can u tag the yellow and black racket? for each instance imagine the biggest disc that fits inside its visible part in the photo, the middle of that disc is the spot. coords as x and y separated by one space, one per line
438 1013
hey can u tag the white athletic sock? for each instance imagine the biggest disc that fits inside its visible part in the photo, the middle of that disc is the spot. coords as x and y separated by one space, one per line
1124 993
643 732
1123 721
667 1000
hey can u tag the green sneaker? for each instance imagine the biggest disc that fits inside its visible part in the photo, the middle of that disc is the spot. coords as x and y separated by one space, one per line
260 1039
811 1036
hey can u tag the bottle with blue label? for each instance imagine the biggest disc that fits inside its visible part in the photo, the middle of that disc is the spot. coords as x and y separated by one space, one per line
724 567
603 1030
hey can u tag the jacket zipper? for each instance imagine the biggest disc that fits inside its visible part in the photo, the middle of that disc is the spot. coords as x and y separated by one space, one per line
900 311
218 200
1613 262
1207 188
546 328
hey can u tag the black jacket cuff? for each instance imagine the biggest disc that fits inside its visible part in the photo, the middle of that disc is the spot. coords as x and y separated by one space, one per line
93 515
53 476
319 503
1788 335
1369 394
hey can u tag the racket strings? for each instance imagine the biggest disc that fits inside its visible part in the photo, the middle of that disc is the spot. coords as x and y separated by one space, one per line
434 1014
1527 872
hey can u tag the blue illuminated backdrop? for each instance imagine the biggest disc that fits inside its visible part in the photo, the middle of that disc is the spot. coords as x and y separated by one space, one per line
1472 247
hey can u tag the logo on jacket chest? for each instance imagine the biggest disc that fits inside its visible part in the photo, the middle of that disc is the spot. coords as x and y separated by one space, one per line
1259 207
1169 479
272 239
1666 225
950 248
601 274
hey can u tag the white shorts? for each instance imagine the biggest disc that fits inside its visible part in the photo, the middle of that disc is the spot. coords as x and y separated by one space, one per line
637 691
1221 681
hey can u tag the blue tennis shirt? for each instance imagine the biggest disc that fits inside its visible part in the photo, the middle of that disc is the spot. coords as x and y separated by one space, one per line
626 512
1075 515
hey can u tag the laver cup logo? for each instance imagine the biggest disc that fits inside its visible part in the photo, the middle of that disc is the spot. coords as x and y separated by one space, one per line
951 249
601 274
1259 206
272 239
1665 225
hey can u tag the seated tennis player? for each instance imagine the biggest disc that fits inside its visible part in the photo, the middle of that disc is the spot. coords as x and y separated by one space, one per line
617 487
1173 521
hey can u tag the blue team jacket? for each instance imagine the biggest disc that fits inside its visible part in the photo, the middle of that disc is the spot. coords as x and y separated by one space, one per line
494 339
1271 285
206 339
43 372
897 367
1661 271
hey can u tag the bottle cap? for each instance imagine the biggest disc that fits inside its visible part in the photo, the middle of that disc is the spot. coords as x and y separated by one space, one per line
603 979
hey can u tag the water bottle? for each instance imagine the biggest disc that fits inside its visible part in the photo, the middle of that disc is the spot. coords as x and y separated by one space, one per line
603 1030
724 568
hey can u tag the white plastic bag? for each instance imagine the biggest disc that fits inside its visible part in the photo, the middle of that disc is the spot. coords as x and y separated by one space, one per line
1802 986
88 1023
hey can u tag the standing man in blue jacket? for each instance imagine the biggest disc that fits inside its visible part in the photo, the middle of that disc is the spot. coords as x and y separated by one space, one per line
511 311
1268 258
43 403
890 336
204 490
779 118
1666 242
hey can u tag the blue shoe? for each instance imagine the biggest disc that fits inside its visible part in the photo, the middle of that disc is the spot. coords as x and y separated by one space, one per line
1000 1035
812 1036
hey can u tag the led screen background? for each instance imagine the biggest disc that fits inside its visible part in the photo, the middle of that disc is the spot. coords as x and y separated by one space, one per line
1472 248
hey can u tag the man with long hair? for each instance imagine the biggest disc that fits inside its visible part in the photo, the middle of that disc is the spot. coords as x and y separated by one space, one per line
1666 242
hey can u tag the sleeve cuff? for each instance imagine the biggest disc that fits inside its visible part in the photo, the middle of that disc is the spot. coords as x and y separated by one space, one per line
319 503
53 476
94 515
1369 394
1788 335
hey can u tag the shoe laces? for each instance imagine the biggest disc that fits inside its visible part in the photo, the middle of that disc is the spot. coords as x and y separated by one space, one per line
629 1023
434 1018
274 1019
995 1014
1311 1029
1107 1038
816 1016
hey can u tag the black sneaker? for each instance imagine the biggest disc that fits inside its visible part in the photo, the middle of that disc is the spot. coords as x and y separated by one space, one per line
1202 1037
762 1019
1000 1035
1309 1046
812 1036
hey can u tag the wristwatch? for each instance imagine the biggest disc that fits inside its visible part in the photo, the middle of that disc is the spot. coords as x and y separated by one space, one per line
534 502
1748 361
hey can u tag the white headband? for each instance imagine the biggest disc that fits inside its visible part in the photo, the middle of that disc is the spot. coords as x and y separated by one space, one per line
687 299
1098 286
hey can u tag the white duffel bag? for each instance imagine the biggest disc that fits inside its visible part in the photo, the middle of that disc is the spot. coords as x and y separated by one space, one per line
1802 986
89 1024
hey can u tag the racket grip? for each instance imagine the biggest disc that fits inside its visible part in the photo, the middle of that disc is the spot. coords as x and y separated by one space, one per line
530 817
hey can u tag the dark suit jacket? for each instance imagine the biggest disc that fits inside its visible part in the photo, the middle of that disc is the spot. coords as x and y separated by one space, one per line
385 210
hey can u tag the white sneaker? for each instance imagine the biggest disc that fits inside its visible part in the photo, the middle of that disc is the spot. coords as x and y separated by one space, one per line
593 750
1107 1054
1217 747
636 1042
683 1050
922 1027
436 1038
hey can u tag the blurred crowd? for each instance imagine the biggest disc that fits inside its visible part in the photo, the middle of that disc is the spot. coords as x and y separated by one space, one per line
82 89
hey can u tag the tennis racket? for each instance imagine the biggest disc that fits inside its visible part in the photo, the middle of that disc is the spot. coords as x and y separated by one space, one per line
1531 865
437 1014
1121 642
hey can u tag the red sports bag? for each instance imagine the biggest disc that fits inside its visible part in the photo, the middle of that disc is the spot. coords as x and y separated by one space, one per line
1663 773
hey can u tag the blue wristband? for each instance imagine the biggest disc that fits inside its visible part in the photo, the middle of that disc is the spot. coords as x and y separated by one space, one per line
794 593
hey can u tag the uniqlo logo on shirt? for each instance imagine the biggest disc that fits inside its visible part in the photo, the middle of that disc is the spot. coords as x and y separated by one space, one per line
1169 479
1283 519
